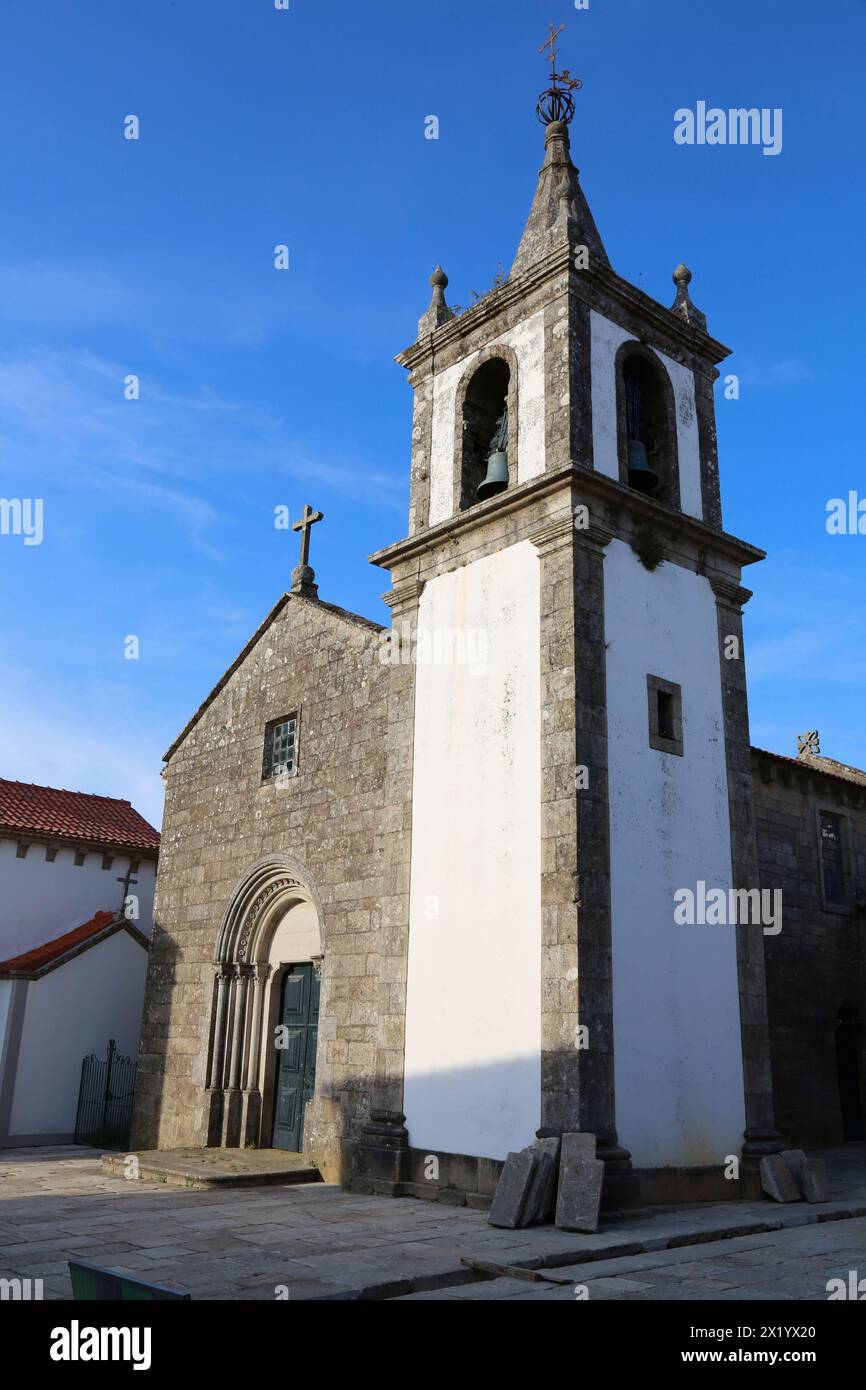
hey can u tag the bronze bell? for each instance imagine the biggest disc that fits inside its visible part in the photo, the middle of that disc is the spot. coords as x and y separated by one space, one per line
641 474
496 478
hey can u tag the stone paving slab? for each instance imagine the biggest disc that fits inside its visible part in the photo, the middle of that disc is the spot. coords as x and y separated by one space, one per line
245 1243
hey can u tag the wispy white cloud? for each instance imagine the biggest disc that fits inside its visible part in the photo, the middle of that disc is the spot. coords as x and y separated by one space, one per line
48 293
773 376
798 635
45 737
225 306
64 414
51 295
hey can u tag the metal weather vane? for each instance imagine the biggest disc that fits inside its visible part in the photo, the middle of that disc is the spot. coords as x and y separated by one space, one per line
557 103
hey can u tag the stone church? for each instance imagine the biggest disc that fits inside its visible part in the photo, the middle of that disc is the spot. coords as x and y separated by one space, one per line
417 883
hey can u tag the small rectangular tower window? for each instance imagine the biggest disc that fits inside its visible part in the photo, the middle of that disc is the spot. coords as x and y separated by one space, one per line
665 715
832 857
281 748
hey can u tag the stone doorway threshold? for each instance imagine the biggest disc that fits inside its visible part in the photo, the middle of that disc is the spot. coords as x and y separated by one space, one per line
212 1168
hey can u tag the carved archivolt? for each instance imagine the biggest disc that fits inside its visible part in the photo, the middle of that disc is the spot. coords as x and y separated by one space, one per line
254 912
249 908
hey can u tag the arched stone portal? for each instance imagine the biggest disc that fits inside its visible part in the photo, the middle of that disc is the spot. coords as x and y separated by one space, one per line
272 922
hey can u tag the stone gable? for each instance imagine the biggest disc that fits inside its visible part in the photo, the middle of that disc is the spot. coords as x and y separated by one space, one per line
220 818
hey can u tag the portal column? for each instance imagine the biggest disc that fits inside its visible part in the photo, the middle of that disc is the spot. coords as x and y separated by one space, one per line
217 1067
252 1082
231 1135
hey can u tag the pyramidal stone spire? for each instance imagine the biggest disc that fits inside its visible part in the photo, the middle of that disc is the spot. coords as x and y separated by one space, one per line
560 212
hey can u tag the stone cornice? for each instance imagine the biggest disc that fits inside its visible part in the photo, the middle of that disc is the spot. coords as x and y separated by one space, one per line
563 530
688 336
405 594
731 594
585 486
488 307
478 515
600 278
552 535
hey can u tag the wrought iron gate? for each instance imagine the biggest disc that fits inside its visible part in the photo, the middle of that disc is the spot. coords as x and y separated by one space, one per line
105 1100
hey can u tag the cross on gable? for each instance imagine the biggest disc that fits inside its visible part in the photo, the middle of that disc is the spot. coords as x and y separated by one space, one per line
308 519
126 881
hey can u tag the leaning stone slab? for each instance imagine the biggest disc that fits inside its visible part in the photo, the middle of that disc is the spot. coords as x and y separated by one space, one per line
776 1179
813 1176
537 1197
541 1201
512 1190
794 1159
578 1201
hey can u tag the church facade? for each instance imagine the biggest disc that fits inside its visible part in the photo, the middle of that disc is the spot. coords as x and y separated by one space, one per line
418 885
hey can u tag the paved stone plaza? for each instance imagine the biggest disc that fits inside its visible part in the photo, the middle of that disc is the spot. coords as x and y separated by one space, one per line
318 1242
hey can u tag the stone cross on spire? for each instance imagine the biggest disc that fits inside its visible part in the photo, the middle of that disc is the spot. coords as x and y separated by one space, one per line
303 576
560 214
551 44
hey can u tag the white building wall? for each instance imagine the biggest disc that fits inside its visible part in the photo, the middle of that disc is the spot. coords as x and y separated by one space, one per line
5 1003
526 341
442 442
677 1048
39 901
72 1012
688 446
606 340
473 1015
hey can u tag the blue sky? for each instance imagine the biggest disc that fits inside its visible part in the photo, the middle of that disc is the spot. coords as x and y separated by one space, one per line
260 387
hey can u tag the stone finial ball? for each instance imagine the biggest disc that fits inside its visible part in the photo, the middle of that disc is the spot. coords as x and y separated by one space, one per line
682 275
439 278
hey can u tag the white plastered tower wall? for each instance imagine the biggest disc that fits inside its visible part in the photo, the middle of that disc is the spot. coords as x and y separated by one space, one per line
473 1010
678 1065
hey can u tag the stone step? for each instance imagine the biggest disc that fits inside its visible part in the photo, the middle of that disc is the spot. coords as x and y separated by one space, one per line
210 1168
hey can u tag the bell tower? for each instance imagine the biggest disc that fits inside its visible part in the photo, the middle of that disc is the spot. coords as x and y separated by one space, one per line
568 740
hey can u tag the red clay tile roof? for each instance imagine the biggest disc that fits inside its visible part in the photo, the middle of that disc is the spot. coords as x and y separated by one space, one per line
54 814
29 962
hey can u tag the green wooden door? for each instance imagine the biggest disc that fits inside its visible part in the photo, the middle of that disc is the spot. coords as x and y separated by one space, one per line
296 1055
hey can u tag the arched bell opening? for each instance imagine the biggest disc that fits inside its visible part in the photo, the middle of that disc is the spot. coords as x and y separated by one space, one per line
646 425
488 462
